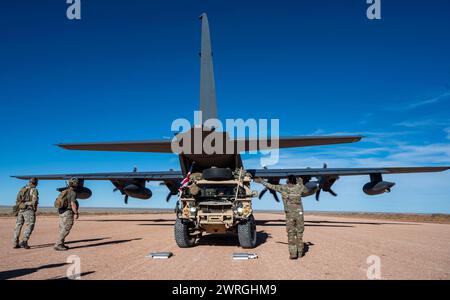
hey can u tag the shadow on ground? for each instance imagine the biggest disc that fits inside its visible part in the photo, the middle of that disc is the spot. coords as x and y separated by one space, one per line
130 220
230 239
69 242
76 275
306 246
115 242
282 222
10 274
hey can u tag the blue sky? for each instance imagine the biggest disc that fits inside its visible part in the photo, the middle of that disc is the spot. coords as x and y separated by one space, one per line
128 68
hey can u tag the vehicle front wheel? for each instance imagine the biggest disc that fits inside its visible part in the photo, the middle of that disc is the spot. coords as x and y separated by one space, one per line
183 236
247 233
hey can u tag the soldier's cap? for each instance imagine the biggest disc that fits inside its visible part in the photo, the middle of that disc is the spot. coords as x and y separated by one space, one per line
291 178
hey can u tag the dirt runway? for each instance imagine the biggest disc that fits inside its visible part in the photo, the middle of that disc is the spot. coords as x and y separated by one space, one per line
115 246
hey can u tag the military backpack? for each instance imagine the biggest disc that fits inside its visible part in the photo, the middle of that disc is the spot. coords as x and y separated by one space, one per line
61 201
24 196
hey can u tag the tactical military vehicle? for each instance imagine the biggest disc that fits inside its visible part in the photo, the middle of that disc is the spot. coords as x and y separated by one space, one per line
217 201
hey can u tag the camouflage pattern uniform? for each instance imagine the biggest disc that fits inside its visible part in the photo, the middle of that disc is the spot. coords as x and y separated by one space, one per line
27 201
66 217
293 208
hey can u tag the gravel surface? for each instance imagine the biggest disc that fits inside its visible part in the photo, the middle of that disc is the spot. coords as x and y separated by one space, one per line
115 247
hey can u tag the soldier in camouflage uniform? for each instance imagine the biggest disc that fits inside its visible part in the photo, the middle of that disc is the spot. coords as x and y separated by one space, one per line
67 213
25 208
293 207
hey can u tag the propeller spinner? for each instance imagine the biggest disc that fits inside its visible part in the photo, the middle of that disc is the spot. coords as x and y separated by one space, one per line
325 183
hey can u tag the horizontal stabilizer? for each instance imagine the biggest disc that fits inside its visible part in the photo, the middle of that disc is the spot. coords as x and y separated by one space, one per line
162 146
235 146
292 142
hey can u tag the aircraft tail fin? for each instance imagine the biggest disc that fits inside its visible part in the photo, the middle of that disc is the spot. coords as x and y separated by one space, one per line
208 104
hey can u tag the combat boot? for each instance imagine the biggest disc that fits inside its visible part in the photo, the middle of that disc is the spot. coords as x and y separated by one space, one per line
16 246
60 248
293 256
24 245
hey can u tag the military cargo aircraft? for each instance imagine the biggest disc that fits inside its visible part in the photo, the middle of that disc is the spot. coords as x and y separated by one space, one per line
213 189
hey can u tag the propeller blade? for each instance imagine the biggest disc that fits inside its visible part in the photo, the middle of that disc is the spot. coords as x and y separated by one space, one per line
262 193
318 194
275 196
125 200
168 197
332 192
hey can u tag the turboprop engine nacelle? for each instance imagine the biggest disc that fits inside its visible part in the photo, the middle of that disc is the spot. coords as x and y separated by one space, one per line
82 192
312 187
137 191
377 188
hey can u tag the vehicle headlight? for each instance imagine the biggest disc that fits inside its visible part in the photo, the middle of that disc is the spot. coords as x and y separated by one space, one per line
240 210
193 210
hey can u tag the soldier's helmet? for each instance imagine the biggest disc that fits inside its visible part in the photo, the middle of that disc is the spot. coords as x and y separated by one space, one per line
73 182
34 181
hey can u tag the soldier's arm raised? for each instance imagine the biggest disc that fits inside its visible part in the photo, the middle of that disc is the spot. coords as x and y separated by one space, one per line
275 187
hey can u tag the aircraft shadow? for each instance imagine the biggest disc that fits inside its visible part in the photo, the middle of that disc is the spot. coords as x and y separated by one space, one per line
10 274
69 242
360 223
229 239
281 222
129 220
270 223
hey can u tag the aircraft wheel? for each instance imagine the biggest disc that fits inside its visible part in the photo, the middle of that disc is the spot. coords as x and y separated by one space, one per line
182 230
247 233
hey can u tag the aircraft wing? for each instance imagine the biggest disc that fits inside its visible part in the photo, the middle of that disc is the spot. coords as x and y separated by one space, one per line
148 176
280 173
264 173
327 177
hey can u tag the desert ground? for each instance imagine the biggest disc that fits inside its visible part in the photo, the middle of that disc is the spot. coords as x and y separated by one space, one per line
115 246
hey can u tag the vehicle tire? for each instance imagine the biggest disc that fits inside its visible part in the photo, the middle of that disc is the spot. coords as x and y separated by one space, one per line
182 233
247 233
217 174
